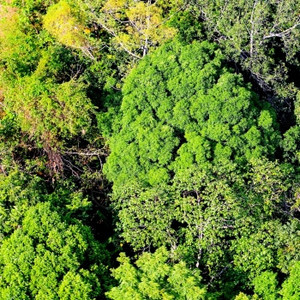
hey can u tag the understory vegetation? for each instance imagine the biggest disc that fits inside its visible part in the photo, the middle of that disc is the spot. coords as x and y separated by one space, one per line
149 149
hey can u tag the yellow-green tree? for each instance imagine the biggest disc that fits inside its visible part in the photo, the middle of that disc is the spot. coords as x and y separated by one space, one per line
66 24
134 25
48 111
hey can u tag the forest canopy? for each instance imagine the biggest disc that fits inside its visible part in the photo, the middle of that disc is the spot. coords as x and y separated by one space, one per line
149 149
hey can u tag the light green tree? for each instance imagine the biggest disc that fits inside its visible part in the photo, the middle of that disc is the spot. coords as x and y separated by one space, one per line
47 257
291 287
153 276
261 35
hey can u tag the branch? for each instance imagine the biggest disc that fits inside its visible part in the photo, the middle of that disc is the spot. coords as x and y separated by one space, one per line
128 51
220 273
2 170
94 153
87 52
114 35
281 34
252 28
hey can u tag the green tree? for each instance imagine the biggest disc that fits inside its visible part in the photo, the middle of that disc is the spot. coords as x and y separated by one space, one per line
261 35
271 246
291 287
208 218
265 285
18 50
46 253
291 140
185 157
290 143
20 191
17 193
154 277
182 106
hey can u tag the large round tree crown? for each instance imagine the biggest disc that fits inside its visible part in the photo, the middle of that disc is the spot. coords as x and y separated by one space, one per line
182 106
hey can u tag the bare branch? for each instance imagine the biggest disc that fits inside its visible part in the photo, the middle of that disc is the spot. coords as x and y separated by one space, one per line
87 52
128 51
252 28
114 35
281 34
94 153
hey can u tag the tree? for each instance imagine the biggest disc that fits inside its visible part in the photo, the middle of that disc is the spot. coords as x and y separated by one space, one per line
185 157
265 285
65 23
47 89
261 35
154 277
291 143
135 26
182 106
48 111
32 88
49 257
20 191
17 193
18 50
291 140
271 246
208 218
290 287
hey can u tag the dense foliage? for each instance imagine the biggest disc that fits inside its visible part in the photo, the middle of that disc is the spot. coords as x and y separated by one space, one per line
181 108
154 278
149 149
46 258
